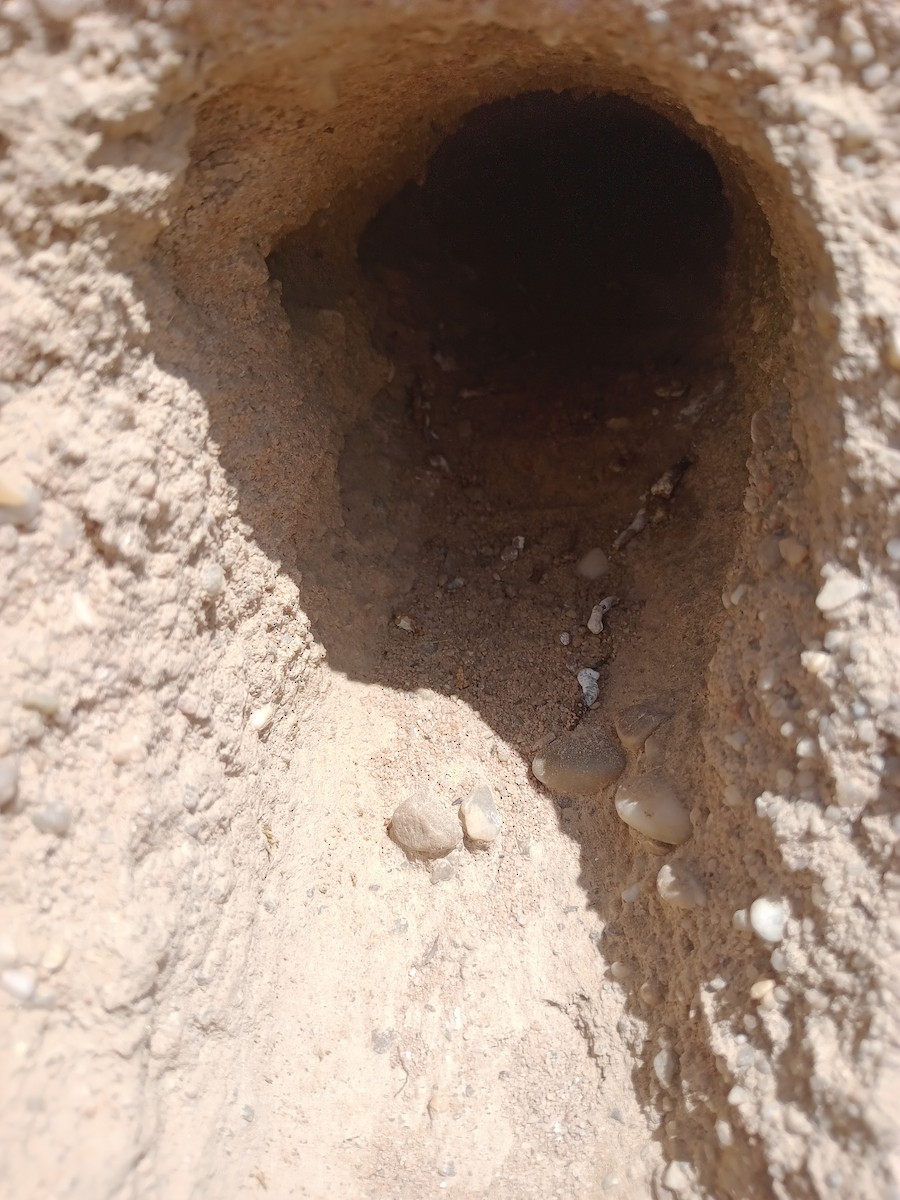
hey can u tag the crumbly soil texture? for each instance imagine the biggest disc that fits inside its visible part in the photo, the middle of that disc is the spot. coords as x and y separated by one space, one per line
389 397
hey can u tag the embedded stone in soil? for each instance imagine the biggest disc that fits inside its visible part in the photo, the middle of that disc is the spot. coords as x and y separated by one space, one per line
580 763
650 804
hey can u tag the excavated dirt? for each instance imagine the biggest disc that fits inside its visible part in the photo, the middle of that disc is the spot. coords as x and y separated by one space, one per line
334 337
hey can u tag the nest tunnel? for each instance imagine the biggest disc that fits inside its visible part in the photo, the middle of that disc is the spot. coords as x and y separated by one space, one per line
566 297
537 346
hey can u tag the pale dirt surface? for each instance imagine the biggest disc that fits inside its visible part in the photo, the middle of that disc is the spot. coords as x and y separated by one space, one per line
262 429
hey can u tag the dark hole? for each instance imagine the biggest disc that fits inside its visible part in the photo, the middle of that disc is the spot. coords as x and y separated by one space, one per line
554 297
585 230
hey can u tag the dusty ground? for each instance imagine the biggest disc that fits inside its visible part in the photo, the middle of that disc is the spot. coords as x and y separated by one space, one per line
333 337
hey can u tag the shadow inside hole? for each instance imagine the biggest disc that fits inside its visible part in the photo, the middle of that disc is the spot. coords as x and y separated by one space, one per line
554 298
581 230
551 298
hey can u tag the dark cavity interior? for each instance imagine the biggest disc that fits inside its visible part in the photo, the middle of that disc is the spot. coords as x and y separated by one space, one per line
585 230
553 297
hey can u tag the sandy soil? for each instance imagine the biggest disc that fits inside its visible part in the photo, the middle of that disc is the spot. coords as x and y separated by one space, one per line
334 336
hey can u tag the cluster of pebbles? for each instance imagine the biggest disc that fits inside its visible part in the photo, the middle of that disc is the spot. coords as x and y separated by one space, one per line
588 759
581 762
427 828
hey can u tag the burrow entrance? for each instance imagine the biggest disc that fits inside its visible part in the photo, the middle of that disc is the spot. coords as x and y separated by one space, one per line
565 300
575 310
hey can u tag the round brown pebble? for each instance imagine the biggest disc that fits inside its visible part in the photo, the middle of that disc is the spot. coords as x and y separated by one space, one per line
579 763
425 827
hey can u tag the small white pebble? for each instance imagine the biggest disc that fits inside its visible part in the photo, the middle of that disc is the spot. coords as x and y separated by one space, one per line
738 594
620 971
262 717
632 893
738 1095
41 700
565 639
19 982
55 956
816 662
768 918
741 921
480 818
20 503
664 1064
875 76
53 818
82 611
678 1177
761 988
724 1134
768 678
808 747
893 549
212 580
145 484
598 612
